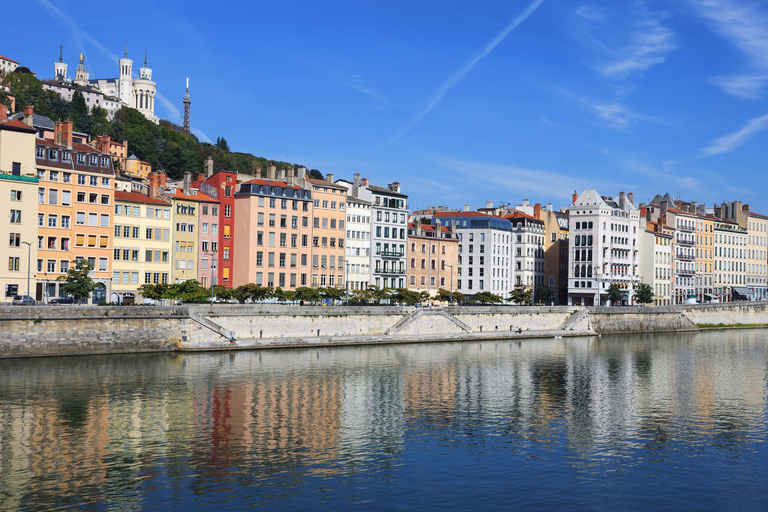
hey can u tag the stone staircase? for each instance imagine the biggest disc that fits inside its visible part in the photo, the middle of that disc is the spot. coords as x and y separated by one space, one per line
409 319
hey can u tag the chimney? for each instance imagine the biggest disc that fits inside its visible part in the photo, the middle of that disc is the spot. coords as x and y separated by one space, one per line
290 179
280 176
364 182
537 210
745 208
575 197
703 209
3 114
356 185
525 202
549 207
664 205
489 204
329 178
102 143
156 182
187 183
631 198
622 200
301 177
208 167
735 210
466 207
29 111
724 210
453 230
418 227
66 133
57 133
271 172
201 177
439 208
438 229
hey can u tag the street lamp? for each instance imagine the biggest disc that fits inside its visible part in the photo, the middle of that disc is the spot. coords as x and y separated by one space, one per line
213 267
450 291
346 281
29 263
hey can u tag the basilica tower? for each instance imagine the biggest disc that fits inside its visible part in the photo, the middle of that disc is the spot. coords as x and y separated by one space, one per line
124 86
60 68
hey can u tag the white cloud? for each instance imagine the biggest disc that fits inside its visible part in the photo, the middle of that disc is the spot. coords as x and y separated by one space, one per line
590 13
359 84
733 140
648 46
745 25
461 73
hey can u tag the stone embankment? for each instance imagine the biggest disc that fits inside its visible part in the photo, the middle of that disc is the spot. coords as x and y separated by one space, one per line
69 330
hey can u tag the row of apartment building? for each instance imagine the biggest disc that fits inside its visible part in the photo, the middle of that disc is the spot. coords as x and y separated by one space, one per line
288 230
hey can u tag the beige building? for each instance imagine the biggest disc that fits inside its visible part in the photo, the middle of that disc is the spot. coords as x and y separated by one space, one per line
757 255
705 258
433 257
657 262
186 217
328 232
146 258
136 168
18 185
730 260
273 233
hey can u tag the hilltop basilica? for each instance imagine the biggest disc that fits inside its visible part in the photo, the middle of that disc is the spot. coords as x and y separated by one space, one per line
108 93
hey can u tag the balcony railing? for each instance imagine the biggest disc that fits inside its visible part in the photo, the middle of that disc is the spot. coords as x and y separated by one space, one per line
390 271
392 254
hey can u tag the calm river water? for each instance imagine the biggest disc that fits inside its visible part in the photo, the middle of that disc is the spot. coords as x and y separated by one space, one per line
650 422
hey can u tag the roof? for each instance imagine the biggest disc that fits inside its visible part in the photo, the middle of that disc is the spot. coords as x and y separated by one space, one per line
132 157
38 121
178 194
462 214
271 183
136 197
429 227
658 233
758 215
7 58
14 125
517 214
374 188
353 199
324 183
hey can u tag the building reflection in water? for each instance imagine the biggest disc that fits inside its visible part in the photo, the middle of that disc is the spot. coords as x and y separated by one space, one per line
84 431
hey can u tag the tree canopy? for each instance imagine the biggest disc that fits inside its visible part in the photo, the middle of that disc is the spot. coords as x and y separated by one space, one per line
615 293
644 293
77 282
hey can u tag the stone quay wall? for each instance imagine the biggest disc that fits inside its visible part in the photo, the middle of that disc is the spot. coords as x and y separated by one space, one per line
68 330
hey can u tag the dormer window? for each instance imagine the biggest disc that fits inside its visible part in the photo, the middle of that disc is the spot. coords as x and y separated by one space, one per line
93 160
81 159
40 152
66 156
104 161
53 155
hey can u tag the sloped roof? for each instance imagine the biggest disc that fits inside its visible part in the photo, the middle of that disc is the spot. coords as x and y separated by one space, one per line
38 121
589 197
136 197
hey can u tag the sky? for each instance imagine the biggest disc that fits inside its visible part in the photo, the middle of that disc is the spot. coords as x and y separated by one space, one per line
461 102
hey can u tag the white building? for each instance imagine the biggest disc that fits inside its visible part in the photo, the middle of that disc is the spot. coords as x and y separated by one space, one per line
603 248
358 251
138 93
485 248
730 261
657 263
528 251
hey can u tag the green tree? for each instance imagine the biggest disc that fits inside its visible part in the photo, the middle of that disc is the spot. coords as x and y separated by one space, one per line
363 296
487 298
379 294
543 295
444 295
615 295
519 297
28 91
331 293
221 143
305 294
154 291
223 293
407 296
77 283
644 293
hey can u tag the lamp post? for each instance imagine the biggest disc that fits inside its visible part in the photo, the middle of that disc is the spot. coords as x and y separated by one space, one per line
213 268
346 281
29 262
450 290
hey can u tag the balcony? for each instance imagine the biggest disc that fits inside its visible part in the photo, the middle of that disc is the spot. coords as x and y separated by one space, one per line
392 254
685 241
390 271
684 256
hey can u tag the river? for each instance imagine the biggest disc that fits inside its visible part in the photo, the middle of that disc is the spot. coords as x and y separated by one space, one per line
640 422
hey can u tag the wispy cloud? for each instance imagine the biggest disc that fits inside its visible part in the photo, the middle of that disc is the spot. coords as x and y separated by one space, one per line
461 73
649 44
729 142
517 181
170 107
358 83
662 174
201 135
746 26
590 13
615 115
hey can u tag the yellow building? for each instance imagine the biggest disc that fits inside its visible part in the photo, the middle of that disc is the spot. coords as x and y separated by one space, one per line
705 258
75 205
144 255
136 168
18 185
186 218
757 255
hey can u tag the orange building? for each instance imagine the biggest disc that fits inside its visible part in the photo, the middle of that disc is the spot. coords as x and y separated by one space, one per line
328 232
76 201
272 233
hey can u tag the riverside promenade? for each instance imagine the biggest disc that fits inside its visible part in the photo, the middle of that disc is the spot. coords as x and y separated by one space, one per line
70 330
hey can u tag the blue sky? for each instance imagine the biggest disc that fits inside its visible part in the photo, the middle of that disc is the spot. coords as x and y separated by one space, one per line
461 102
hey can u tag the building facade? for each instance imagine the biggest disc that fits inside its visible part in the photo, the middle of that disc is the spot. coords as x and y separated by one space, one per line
358 249
433 257
328 232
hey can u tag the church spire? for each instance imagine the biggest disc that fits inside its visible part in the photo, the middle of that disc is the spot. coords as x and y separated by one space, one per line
126 48
61 50
145 58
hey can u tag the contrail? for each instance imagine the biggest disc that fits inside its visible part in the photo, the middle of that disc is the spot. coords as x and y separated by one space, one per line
456 77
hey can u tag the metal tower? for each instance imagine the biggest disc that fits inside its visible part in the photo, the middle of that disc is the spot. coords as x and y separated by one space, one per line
187 103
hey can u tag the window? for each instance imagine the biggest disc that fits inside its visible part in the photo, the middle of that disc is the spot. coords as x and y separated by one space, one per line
16 216
227 209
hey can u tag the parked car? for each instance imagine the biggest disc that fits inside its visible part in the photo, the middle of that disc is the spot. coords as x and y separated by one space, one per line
63 300
23 300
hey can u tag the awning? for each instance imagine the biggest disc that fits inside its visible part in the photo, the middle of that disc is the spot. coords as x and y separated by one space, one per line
691 296
707 294
742 291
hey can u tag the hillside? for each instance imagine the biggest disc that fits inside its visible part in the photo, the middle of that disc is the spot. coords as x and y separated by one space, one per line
164 146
